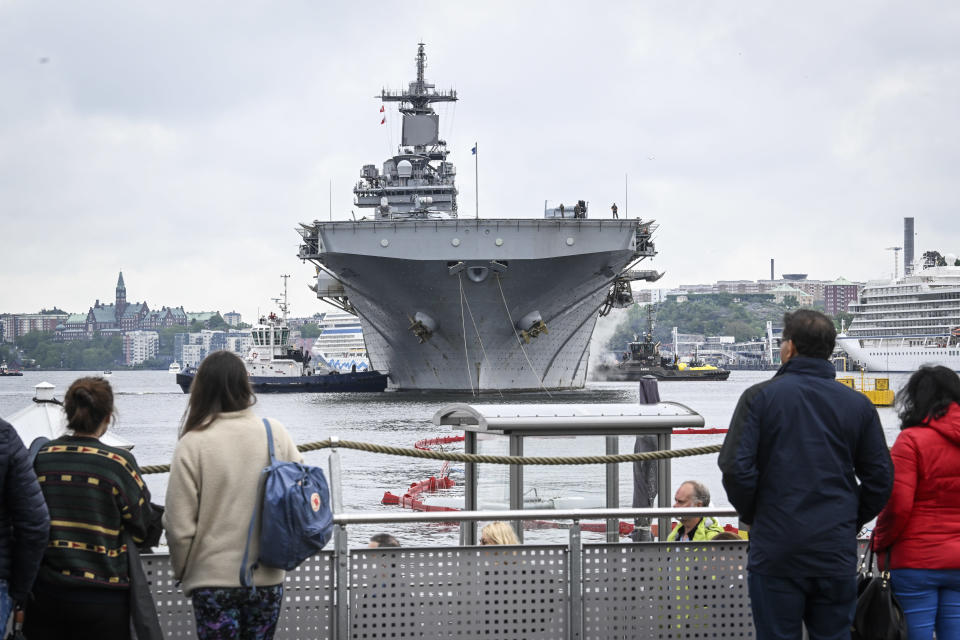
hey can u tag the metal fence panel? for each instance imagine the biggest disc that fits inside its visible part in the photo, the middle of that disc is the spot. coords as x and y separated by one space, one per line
666 590
459 592
307 599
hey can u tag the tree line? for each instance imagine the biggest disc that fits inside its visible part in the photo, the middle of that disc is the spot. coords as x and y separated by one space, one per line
742 316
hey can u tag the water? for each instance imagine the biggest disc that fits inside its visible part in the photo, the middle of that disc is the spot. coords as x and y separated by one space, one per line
150 406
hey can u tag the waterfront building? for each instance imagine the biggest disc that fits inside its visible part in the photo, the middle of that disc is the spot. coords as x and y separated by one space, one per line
117 318
16 325
781 293
139 346
189 349
839 294
232 318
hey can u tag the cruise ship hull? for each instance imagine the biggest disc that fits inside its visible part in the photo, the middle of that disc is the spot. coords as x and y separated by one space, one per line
474 282
891 354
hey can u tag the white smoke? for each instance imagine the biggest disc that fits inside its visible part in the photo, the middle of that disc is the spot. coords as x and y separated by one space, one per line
602 332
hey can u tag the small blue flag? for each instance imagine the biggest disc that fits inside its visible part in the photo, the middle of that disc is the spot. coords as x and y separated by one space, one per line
474 150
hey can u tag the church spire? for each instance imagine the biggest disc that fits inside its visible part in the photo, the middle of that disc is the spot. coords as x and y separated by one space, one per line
121 296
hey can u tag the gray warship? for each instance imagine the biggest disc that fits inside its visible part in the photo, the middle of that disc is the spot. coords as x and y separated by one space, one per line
469 304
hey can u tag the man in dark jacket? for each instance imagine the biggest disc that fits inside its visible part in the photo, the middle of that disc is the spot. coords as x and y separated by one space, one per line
24 522
797 446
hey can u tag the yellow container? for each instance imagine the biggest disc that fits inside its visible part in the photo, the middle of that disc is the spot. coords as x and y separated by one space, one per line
877 389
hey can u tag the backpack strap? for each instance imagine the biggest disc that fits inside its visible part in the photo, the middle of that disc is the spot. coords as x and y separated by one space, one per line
34 449
247 568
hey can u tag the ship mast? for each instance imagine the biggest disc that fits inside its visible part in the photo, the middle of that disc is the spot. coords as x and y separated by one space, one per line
420 94
282 302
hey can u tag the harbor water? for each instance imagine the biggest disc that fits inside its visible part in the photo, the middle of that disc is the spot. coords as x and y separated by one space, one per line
150 406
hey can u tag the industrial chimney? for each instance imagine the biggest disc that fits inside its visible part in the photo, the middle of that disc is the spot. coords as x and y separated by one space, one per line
771 270
907 246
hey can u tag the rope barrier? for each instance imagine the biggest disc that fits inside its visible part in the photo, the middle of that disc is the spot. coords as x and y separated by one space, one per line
488 459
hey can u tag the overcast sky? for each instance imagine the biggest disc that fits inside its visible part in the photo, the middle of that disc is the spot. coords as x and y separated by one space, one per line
183 142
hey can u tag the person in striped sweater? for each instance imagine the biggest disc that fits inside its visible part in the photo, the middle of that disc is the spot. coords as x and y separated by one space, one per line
95 494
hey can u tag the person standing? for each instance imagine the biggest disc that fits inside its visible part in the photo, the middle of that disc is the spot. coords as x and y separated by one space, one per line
613 208
98 501
791 460
24 523
920 526
214 487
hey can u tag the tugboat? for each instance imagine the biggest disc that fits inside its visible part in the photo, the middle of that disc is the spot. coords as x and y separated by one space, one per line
644 359
4 371
276 366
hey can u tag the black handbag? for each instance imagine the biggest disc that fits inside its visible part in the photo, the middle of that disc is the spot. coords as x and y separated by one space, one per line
878 615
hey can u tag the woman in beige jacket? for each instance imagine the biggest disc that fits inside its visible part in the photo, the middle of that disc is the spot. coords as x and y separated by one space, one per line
214 486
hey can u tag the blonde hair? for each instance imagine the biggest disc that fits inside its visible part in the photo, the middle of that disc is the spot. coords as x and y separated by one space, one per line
498 533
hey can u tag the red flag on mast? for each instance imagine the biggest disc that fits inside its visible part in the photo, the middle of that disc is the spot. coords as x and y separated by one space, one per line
381 108
384 120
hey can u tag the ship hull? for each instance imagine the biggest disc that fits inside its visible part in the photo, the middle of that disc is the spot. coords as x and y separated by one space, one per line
475 291
364 382
890 354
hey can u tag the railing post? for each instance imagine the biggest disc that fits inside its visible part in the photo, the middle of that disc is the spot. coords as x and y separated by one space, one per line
341 550
613 489
575 565
341 602
468 534
336 486
516 483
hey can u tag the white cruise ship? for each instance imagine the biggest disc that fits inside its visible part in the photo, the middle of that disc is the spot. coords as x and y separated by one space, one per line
341 342
902 324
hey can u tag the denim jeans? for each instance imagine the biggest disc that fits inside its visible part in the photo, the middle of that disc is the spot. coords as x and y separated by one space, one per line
6 606
781 606
930 598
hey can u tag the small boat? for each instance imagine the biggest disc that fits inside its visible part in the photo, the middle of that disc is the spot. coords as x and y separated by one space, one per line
107 373
174 367
877 389
45 418
644 359
276 366
5 371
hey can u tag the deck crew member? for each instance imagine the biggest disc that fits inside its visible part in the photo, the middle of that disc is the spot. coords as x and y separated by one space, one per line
613 208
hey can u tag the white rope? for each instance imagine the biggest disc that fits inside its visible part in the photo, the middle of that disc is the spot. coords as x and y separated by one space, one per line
479 339
519 341
466 354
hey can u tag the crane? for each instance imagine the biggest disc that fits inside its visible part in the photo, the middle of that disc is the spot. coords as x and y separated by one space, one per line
896 260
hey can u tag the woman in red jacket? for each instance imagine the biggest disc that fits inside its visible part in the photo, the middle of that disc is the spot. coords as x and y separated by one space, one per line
920 526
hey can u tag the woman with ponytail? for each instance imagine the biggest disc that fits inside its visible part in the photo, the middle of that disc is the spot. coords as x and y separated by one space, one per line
96 496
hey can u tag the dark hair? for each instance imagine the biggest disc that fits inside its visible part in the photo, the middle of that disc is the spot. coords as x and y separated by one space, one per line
811 332
726 535
88 402
927 395
384 540
220 385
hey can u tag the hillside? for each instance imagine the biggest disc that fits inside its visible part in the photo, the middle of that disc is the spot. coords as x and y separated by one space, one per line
743 316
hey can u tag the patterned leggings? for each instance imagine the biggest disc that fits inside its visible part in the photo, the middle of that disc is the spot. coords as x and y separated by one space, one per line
237 613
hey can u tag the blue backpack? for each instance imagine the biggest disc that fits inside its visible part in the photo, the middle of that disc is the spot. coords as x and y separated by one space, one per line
295 516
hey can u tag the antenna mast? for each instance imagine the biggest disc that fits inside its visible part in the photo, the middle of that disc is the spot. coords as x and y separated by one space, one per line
282 302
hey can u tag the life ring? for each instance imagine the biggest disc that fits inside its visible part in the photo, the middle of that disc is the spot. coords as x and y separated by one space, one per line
253 354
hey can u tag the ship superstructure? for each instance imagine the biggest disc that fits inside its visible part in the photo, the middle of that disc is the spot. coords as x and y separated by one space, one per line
469 304
902 324
340 343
